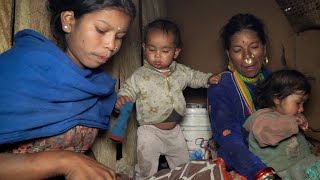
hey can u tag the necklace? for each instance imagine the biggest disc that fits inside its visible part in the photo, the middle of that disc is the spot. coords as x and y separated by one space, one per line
255 79
244 90
162 70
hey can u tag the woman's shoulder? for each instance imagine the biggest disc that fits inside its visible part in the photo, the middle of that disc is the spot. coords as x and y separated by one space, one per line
30 39
225 90
226 76
226 83
34 50
30 47
29 32
33 43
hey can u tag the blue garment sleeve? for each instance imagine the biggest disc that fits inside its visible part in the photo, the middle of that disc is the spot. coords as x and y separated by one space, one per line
227 117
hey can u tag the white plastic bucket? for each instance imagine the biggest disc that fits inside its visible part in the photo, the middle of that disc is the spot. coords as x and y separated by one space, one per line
197 130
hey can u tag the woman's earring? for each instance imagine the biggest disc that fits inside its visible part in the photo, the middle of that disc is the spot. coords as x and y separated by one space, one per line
230 66
266 61
66 27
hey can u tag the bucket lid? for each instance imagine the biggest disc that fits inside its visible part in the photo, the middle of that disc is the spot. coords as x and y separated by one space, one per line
196 105
196 112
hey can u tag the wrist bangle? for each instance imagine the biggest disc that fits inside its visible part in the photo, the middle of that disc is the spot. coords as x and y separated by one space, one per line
265 174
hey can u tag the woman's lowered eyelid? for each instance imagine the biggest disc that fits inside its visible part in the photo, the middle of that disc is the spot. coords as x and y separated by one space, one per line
100 31
236 50
254 45
105 27
120 35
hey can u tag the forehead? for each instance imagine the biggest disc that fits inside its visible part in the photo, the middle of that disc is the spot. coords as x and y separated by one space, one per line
244 36
113 17
160 37
300 95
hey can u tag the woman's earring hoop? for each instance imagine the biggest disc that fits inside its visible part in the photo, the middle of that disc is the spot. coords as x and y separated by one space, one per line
266 61
230 66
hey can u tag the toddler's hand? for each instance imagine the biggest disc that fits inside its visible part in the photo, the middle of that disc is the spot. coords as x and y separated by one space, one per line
120 101
214 79
302 121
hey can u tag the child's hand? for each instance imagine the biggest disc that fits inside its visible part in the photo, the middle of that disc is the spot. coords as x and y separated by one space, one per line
302 121
120 101
214 79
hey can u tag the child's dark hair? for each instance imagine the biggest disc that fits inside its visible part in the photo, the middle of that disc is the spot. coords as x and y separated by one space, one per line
240 22
279 85
166 26
80 8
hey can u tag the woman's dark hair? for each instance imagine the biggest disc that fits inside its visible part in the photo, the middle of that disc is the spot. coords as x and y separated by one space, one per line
279 85
80 8
166 26
240 22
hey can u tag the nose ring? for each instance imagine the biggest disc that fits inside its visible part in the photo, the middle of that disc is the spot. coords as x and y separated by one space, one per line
248 61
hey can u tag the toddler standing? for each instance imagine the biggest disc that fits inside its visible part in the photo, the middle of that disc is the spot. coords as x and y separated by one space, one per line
157 89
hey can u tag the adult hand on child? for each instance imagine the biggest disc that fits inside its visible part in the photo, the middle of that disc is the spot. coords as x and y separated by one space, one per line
302 121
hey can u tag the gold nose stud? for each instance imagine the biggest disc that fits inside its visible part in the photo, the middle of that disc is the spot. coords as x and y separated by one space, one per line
248 61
